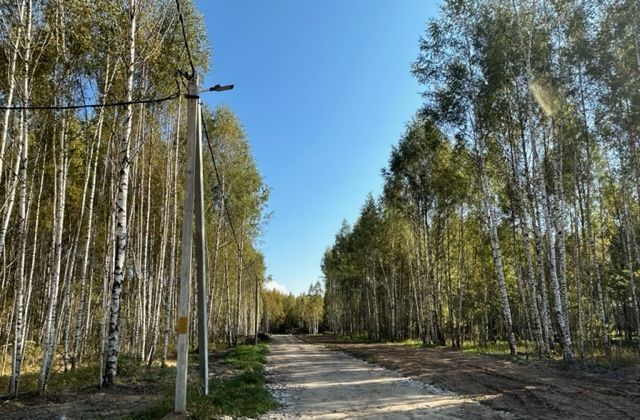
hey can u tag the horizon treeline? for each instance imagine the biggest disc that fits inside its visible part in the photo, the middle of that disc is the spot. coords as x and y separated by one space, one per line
91 199
510 209
287 313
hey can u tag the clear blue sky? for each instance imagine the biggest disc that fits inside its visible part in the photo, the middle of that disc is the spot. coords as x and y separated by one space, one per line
323 89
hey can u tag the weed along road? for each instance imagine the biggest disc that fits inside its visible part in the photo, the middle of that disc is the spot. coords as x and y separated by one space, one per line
313 381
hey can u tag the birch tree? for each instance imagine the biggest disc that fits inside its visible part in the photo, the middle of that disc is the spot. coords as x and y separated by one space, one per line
121 207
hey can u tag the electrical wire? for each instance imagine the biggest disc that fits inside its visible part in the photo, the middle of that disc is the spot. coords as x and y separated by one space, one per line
83 106
215 168
224 201
184 38
120 103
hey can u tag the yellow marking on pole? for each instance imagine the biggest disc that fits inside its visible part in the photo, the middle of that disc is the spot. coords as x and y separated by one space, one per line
183 325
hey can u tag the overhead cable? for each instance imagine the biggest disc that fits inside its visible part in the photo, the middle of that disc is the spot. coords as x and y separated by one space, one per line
83 106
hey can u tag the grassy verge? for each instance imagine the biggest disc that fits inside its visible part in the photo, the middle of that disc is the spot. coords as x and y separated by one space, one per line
498 348
360 339
244 394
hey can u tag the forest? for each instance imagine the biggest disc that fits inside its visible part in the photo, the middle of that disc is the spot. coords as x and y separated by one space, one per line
286 313
510 209
91 197
493 274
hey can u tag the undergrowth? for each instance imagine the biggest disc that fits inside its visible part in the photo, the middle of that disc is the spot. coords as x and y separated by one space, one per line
244 394
130 371
622 354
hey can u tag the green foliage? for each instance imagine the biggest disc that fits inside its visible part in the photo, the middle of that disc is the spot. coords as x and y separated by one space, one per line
245 394
79 54
518 176
248 358
500 348
287 312
130 372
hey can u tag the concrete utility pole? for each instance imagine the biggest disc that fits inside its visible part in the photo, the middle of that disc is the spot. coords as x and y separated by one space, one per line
182 326
255 321
193 194
203 327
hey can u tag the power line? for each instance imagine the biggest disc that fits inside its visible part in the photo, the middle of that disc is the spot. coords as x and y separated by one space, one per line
82 106
206 132
204 125
184 38
224 201
215 168
120 103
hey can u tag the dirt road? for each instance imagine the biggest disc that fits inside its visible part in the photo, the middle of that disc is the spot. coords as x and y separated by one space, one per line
524 389
312 381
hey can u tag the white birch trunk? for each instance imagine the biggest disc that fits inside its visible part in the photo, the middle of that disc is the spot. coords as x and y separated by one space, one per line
34 251
160 272
56 251
497 257
87 242
551 252
578 273
71 260
148 281
631 246
8 203
12 87
106 280
113 350
557 212
22 219
172 257
240 267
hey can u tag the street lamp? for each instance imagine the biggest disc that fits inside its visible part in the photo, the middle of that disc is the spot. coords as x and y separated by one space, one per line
218 88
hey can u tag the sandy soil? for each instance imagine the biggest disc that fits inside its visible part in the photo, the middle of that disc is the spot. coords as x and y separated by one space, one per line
523 389
311 381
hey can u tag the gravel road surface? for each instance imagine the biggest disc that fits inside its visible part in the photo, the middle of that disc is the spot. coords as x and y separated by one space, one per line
312 381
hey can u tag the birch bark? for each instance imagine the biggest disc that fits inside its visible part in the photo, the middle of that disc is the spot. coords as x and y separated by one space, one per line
12 86
88 237
113 349
22 220
497 257
50 335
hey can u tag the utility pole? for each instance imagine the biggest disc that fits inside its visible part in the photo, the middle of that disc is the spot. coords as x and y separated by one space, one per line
193 195
203 330
255 321
182 327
